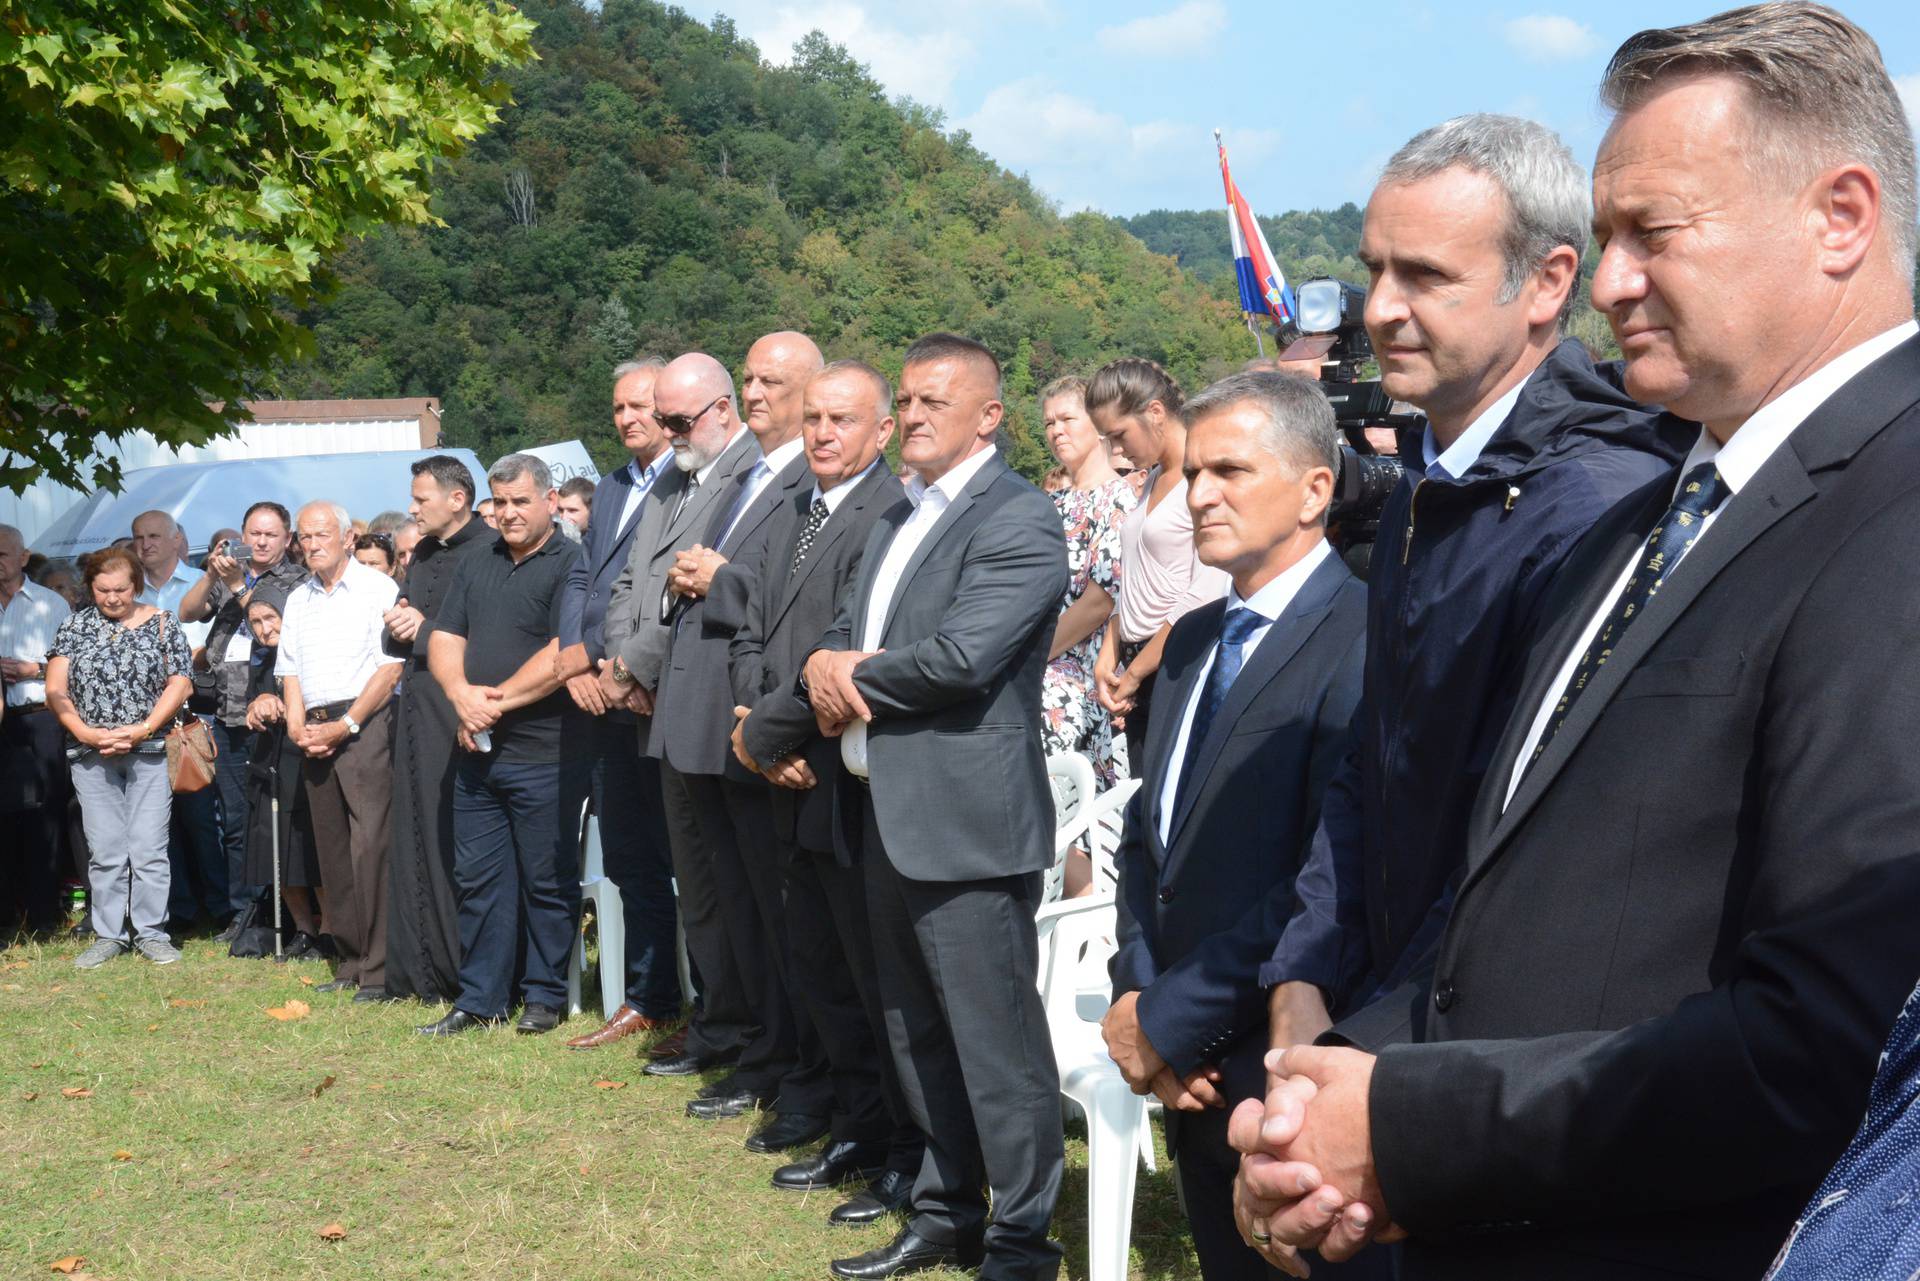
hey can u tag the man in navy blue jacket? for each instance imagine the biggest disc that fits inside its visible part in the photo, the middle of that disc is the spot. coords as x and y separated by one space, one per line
1257 692
1472 241
625 785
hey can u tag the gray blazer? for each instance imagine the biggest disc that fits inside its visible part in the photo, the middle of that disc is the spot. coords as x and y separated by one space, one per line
634 630
959 776
693 713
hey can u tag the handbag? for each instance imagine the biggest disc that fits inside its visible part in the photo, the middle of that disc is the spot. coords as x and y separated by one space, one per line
190 755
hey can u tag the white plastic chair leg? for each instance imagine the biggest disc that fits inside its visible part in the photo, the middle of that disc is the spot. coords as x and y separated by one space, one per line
612 921
1114 1122
576 965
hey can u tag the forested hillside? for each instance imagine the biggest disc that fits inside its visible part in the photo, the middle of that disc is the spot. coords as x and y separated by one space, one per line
657 186
1308 243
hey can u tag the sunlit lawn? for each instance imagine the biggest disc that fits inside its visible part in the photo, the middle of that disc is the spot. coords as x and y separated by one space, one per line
209 1144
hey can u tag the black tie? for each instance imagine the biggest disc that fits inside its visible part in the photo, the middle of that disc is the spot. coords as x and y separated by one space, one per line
1701 493
1235 628
816 517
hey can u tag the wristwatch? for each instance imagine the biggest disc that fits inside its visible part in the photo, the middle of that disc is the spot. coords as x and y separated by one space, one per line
353 726
621 676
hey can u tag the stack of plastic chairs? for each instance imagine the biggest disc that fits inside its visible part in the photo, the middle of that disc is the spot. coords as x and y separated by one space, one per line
1071 777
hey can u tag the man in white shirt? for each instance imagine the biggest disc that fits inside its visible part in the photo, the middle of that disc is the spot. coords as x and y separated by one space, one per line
33 767
1687 915
338 679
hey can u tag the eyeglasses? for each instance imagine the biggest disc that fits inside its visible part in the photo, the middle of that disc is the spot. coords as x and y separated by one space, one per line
681 424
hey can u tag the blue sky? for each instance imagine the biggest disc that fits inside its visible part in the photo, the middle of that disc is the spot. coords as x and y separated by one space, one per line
1112 105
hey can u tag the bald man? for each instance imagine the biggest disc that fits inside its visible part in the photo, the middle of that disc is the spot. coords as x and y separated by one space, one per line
695 404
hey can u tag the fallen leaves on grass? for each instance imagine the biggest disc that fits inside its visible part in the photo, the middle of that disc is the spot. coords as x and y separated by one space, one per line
69 1264
332 1232
290 1011
306 981
16 965
326 1083
76 1092
30 1096
123 1155
374 1085
14 987
153 1027
609 1085
181 1003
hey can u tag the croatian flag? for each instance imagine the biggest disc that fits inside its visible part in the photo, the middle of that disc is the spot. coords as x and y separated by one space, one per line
1263 286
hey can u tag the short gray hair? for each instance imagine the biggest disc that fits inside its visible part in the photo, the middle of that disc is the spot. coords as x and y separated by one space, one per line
639 364
8 531
1300 429
1818 86
514 466
1549 203
342 518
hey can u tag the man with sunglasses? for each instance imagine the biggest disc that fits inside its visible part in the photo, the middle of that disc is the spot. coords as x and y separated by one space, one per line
694 404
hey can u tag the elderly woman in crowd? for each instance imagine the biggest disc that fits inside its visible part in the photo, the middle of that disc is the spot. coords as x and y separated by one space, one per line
375 551
1135 404
118 675
273 770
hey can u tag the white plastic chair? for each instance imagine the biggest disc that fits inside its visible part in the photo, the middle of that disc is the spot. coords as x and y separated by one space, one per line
609 920
1106 820
1071 777
1076 943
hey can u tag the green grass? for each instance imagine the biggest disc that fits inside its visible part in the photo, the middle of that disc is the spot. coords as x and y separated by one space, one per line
204 1152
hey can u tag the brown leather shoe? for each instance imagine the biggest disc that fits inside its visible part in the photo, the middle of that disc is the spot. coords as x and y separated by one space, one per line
625 1022
669 1047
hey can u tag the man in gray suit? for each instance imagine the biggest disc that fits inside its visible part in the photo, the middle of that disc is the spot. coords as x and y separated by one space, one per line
730 829
693 402
931 672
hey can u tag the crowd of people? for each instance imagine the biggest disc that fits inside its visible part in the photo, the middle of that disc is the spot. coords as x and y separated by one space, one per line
1538 907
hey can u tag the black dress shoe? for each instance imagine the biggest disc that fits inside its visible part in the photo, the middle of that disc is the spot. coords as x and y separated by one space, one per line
908 1252
721 1106
372 995
788 1130
455 1022
891 1191
337 985
538 1018
678 1065
831 1166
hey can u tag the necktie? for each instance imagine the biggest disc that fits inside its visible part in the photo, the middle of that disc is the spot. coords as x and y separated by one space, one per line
741 499
1235 628
670 604
1701 493
816 517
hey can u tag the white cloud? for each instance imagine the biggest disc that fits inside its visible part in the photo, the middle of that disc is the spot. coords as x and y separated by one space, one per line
1909 87
920 64
1085 156
1190 29
1551 37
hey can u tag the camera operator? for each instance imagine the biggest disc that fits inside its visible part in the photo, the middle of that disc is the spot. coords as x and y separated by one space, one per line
1472 240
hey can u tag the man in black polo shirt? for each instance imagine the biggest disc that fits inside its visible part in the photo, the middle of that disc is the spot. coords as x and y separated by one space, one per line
494 651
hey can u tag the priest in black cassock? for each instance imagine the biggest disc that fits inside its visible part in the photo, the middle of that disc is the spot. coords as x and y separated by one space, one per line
423 939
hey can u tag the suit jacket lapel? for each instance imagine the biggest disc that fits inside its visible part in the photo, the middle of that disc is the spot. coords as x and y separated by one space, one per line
988 473
1302 616
680 520
823 542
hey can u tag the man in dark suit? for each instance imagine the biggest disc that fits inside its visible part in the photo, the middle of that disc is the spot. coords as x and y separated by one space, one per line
693 403
1686 922
624 785
730 832
1260 690
931 673
813 552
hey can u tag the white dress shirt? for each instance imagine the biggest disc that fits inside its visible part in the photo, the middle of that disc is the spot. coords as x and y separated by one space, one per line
1455 460
331 640
1738 461
1269 603
168 596
643 478
761 475
930 502
27 625
838 494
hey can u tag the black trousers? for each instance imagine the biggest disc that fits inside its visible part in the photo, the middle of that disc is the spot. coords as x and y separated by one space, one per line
805 1080
837 995
1205 1165
707 873
958 964
34 791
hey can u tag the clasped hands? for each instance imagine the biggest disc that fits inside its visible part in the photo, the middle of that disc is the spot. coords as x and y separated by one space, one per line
116 741
693 570
1140 1063
836 700
477 708
790 771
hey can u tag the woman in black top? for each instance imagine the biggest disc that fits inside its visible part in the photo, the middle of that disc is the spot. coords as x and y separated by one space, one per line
274 770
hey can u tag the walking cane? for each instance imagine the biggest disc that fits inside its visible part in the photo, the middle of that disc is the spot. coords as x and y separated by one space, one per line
278 957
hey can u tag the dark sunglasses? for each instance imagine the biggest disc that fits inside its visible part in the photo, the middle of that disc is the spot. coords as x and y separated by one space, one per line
681 424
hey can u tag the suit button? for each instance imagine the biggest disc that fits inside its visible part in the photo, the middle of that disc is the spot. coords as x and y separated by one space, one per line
1166 894
1443 997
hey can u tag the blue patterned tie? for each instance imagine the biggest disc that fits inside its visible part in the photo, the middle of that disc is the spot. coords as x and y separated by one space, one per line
1235 628
1701 493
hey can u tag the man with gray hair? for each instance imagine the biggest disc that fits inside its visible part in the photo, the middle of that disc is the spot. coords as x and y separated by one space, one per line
495 652
338 679
1686 920
1258 690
